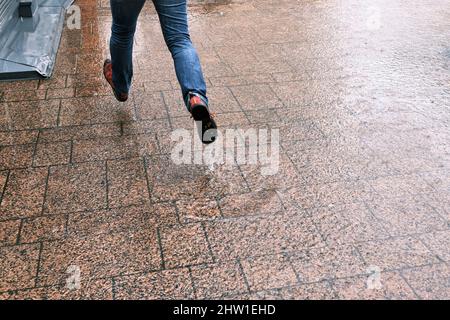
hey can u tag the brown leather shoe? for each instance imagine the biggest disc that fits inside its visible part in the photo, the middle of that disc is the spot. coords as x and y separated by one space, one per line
207 127
107 72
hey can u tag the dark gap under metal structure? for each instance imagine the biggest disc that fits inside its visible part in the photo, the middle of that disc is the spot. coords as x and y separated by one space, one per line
30 33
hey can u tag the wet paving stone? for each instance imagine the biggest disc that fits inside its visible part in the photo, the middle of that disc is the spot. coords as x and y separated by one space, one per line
168 284
191 180
99 255
245 237
127 184
345 224
93 290
24 193
184 245
396 253
327 263
388 285
52 154
29 114
194 210
43 228
429 282
76 187
9 231
15 157
406 215
268 272
218 280
18 266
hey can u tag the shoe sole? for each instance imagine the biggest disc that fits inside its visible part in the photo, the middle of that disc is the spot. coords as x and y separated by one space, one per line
119 99
200 113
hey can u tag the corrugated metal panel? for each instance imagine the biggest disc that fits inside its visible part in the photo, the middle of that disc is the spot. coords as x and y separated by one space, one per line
7 8
28 46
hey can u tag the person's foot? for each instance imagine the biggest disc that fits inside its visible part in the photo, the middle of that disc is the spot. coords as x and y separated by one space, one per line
107 72
200 112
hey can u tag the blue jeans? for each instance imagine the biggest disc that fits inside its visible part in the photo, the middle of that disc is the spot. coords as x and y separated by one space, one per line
173 19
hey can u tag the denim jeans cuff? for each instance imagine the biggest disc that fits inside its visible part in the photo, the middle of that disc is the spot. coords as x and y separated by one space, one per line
204 99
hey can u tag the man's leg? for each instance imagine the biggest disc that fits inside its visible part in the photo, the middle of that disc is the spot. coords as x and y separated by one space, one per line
125 14
174 24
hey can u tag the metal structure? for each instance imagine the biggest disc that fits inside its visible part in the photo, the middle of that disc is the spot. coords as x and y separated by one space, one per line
30 33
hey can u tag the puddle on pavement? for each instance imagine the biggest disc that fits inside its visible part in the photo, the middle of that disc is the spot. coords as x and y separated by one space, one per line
212 6
215 4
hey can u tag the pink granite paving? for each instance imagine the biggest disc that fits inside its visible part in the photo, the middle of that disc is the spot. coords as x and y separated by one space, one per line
360 206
